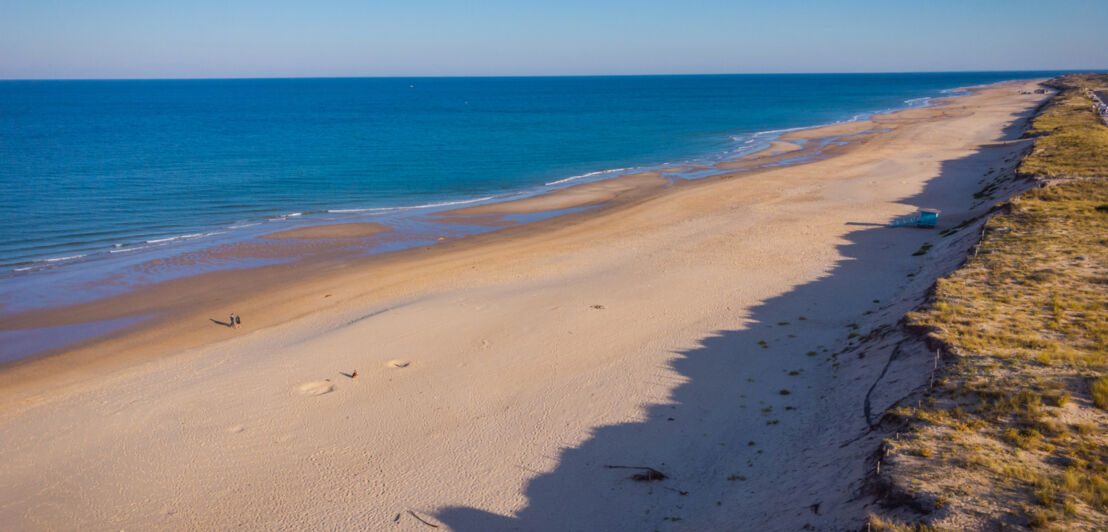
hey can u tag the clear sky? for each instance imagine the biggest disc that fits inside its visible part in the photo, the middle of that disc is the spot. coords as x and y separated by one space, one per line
281 38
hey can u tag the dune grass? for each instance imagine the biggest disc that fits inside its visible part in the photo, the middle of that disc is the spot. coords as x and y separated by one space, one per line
1015 433
1072 141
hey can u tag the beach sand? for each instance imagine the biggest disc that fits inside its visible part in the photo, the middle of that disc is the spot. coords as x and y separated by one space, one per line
690 328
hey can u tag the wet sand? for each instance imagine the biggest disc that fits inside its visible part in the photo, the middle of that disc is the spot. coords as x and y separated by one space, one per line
684 327
624 188
849 128
353 230
775 147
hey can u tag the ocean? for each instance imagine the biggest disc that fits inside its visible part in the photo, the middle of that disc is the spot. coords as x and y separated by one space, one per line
97 176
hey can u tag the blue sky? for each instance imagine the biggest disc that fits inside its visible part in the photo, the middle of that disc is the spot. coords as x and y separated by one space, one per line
279 38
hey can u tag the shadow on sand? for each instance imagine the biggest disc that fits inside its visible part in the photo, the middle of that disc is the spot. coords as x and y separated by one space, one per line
707 436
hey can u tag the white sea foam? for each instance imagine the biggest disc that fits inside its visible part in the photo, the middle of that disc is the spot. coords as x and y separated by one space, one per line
168 239
590 174
770 132
856 118
172 238
364 211
59 259
411 207
280 217
126 250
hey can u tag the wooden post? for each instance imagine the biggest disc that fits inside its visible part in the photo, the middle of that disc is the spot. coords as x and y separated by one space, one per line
934 368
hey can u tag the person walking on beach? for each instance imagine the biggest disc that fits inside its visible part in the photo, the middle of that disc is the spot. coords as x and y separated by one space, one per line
232 322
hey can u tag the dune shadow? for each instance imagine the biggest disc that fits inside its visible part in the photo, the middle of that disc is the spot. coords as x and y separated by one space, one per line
707 437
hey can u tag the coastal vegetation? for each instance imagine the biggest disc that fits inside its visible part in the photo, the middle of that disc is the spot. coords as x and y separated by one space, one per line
1071 140
1014 431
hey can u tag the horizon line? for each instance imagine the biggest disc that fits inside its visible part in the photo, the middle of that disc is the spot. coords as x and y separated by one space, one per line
447 76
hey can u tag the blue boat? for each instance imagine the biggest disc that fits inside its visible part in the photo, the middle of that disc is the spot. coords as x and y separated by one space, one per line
923 218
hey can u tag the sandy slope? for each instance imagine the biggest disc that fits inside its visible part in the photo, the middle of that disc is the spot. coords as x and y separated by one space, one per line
629 337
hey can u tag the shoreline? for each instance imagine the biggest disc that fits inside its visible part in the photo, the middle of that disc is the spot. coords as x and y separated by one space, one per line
102 266
156 312
597 198
589 191
693 330
600 197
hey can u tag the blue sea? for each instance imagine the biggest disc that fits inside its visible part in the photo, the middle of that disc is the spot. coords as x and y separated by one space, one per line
98 175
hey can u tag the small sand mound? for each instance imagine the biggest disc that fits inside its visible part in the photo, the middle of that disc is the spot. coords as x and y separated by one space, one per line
316 388
397 363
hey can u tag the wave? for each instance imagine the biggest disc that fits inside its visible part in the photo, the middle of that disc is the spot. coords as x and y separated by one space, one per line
127 250
955 92
286 216
773 132
40 262
183 237
411 207
590 174
160 240
128 247
57 259
923 101
278 217
119 247
756 141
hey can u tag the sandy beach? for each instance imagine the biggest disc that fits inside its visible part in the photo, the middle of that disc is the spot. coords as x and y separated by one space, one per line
686 327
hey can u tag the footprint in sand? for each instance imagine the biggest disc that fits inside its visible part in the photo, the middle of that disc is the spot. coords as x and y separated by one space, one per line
316 388
397 363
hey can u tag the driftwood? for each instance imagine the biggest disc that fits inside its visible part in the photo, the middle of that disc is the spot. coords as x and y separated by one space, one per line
865 405
649 474
420 519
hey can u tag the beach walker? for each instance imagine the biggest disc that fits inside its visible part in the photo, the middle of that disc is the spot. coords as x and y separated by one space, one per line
923 218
